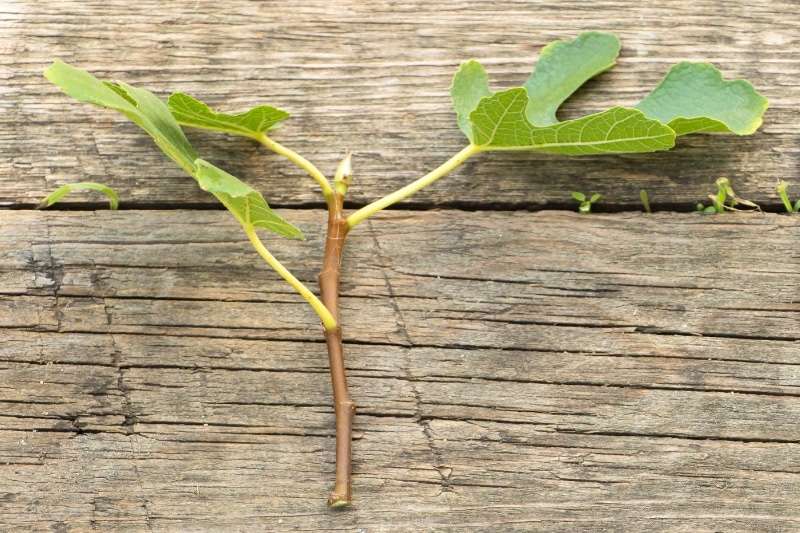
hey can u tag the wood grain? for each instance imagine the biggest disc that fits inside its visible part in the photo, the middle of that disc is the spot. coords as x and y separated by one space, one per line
374 78
515 368
513 371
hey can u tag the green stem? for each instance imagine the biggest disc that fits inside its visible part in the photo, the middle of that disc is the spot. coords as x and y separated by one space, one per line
369 210
301 161
328 321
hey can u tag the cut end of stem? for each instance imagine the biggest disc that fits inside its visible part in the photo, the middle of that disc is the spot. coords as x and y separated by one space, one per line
337 500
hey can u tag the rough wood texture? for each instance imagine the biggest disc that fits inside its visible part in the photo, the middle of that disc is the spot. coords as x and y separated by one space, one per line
513 371
374 78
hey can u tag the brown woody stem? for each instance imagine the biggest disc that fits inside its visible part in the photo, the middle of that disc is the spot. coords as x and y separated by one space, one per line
344 408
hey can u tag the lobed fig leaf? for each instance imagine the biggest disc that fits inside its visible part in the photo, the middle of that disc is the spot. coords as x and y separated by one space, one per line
154 116
692 98
253 123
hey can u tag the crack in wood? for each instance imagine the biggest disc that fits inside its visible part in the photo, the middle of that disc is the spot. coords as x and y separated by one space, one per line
681 436
436 459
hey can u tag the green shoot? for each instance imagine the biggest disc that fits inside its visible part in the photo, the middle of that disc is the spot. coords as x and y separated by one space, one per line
692 98
645 201
58 194
341 179
586 204
781 189
725 192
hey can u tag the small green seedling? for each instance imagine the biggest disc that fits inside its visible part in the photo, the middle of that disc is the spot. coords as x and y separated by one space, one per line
692 98
717 202
645 201
725 192
586 205
781 189
58 194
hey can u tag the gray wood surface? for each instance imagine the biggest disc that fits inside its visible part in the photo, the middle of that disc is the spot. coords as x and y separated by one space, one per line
515 367
513 371
374 78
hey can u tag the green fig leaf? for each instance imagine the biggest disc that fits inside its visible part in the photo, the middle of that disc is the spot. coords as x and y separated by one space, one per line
694 98
253 123
140 106
154 116
244 202
500 123
562 68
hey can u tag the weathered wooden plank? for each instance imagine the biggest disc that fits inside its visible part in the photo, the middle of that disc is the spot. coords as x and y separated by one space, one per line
374 79
513 371
490 475
713 276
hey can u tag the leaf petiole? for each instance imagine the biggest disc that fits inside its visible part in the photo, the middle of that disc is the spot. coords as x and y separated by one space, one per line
449 165
328 321
301 161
